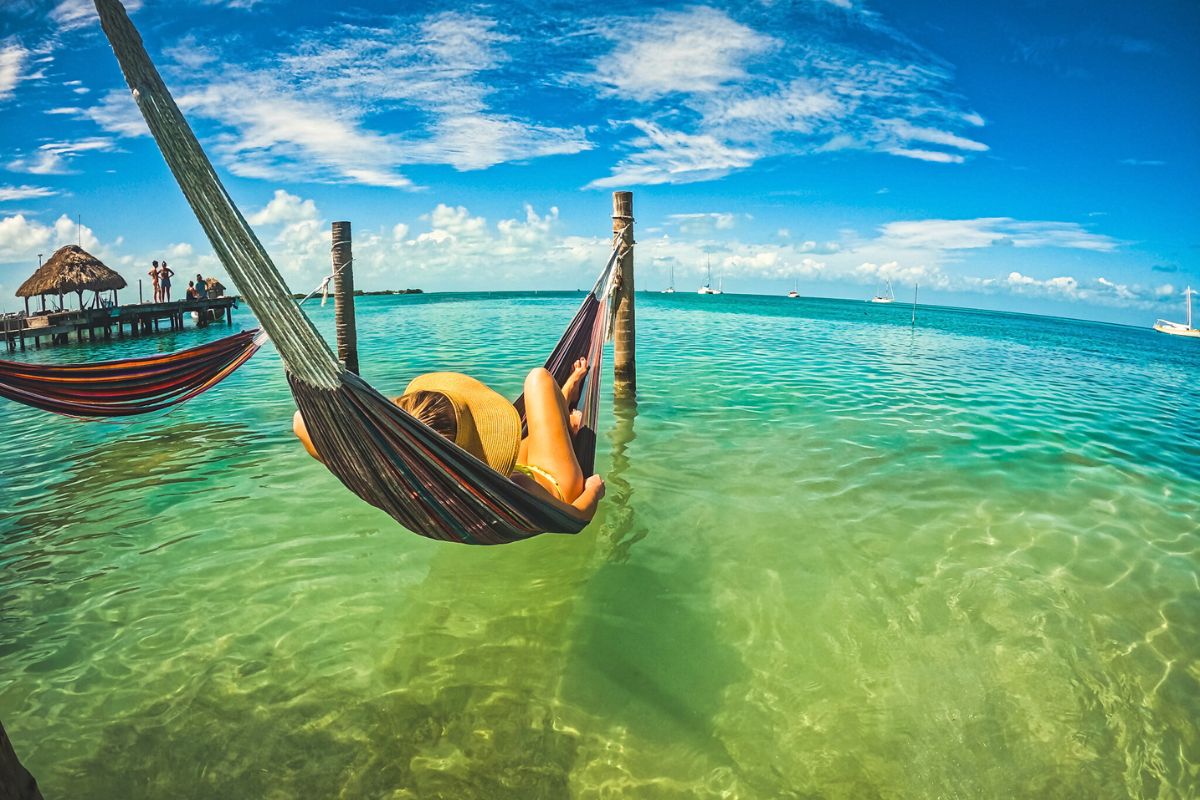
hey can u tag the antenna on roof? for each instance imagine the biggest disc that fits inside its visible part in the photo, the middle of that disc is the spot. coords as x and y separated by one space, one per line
39 260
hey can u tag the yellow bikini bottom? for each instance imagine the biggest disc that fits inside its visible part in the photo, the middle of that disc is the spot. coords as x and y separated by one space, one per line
537 472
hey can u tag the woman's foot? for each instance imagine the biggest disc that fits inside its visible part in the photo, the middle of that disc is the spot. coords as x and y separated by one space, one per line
575 422
573 385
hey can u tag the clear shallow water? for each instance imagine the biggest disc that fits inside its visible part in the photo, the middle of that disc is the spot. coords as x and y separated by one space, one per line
838 558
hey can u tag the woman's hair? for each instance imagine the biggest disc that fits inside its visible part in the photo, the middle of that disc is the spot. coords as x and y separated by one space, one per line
432 408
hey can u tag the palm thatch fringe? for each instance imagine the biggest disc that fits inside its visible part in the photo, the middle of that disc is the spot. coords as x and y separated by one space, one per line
71 269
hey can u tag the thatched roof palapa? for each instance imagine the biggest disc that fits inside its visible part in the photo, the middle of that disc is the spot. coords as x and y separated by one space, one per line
71 269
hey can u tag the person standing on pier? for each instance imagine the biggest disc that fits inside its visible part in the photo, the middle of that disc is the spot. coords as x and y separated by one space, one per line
201 288
154 282
165 275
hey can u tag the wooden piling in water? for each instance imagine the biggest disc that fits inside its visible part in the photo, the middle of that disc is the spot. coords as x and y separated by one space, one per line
624 355
343 297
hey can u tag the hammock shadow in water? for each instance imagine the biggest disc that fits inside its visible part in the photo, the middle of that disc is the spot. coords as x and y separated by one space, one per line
480 652
145 467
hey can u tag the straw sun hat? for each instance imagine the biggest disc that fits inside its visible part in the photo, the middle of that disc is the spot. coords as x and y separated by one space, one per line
489 427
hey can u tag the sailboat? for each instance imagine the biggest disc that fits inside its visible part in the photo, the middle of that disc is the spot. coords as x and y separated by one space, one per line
795 292
707 287
1180 328
887 297
671 283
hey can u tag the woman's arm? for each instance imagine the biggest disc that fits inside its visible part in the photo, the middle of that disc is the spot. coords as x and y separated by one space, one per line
584 506
593 491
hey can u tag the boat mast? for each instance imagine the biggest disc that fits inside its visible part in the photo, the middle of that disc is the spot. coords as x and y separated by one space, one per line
1188 295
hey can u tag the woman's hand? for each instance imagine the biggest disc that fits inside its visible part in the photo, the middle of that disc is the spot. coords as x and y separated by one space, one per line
589 498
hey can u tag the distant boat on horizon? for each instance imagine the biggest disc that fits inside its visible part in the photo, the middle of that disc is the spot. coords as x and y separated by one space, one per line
670 281
887 297
1180 328
707 287
795 292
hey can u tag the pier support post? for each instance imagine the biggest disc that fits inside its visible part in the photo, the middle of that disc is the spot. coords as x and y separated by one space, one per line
624 355
343 297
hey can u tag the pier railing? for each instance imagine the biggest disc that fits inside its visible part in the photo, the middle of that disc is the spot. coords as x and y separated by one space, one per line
57 327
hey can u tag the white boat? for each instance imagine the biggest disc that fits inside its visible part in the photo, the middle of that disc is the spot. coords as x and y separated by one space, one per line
707 287
887 297
671 284
795 292
1180 328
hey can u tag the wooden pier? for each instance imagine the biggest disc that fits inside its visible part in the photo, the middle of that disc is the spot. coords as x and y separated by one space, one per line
141 319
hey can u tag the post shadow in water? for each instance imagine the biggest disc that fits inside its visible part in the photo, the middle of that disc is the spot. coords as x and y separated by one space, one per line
619 529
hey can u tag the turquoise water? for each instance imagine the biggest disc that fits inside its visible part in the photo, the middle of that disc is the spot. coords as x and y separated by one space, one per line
839 557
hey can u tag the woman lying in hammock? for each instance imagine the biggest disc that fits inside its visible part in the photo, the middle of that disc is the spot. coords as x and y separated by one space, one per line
483 423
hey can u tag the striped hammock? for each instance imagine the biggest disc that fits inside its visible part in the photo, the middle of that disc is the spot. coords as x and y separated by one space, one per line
130 385
378 451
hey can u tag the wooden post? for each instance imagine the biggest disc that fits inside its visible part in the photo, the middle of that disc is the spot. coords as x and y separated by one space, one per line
343 297
624 355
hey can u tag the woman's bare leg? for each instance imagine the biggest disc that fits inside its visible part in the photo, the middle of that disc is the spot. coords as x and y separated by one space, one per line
548 445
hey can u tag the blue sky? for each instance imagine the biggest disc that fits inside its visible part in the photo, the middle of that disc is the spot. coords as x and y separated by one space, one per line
1029 156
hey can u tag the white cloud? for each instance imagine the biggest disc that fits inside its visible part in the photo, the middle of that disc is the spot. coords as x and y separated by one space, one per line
72 14
19 236
445 244
280 136
965 234
927 155
12 58
666 156
910 132
702 222
478 141
302 241
116 113
284 207
55 158
21 239
1119 289
25 192
759 96
1063 286
697 50
303 115
799 107
450 247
